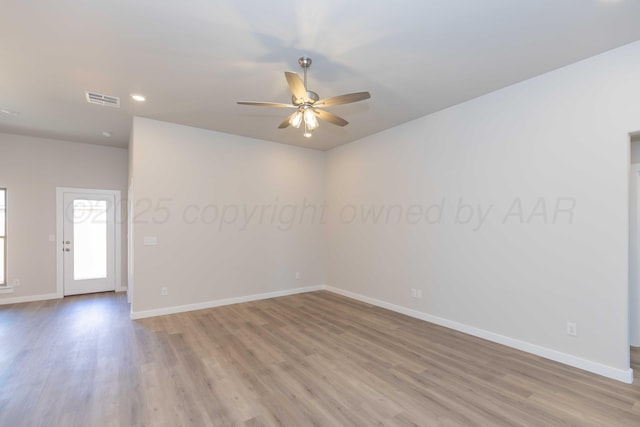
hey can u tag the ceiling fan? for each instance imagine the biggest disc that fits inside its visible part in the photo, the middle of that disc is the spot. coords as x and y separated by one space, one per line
307 103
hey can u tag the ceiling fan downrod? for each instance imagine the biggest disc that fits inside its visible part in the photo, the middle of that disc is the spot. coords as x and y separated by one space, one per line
305 62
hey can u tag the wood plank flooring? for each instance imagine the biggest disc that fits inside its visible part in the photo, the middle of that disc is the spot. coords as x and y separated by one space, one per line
314 359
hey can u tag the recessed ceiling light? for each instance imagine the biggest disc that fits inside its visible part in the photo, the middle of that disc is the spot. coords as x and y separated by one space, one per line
138 97
9 112
106 134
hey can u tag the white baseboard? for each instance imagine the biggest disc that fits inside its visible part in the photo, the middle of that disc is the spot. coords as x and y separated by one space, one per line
217 303
625 376
29 298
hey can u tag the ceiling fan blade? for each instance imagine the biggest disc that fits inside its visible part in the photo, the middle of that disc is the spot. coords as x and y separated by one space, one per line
343 99
287 121
330 117
296 85
266 104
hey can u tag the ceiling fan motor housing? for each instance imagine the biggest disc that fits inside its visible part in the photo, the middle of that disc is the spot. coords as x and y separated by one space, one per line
312 98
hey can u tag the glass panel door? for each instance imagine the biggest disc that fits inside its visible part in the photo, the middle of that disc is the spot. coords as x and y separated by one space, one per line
89 243
90 239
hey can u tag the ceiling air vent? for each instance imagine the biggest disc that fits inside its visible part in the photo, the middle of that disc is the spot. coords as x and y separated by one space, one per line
100 99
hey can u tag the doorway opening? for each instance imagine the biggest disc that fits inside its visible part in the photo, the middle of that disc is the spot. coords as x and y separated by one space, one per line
634 250
88 241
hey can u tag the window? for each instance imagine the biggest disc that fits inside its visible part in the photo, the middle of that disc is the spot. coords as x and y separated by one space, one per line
3 237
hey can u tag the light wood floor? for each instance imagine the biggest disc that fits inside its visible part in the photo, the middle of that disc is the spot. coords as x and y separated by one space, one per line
310 359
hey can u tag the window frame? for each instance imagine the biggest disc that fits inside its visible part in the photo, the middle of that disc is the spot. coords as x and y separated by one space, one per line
3 190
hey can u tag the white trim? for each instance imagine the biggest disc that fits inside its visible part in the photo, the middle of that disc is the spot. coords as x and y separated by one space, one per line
634 240
217 303
117 200
625 376
29 298
5 261
60 233
6 289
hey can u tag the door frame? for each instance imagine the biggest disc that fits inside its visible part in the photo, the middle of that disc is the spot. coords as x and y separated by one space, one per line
60 191
634 255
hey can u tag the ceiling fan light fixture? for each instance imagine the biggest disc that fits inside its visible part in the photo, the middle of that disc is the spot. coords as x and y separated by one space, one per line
296 119
310 119
307 132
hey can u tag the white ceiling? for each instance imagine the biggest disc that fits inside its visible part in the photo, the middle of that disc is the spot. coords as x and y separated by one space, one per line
194 59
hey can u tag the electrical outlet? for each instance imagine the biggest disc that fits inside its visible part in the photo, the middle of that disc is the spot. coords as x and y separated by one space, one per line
572 329
164 291
297 275
16 283
418 293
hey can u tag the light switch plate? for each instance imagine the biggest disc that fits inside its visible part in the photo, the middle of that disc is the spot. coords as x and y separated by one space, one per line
150 240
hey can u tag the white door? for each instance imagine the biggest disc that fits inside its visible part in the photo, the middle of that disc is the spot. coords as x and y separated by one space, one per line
88 243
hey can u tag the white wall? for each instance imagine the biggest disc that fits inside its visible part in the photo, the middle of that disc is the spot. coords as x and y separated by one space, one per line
560 138
31 169
181 176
